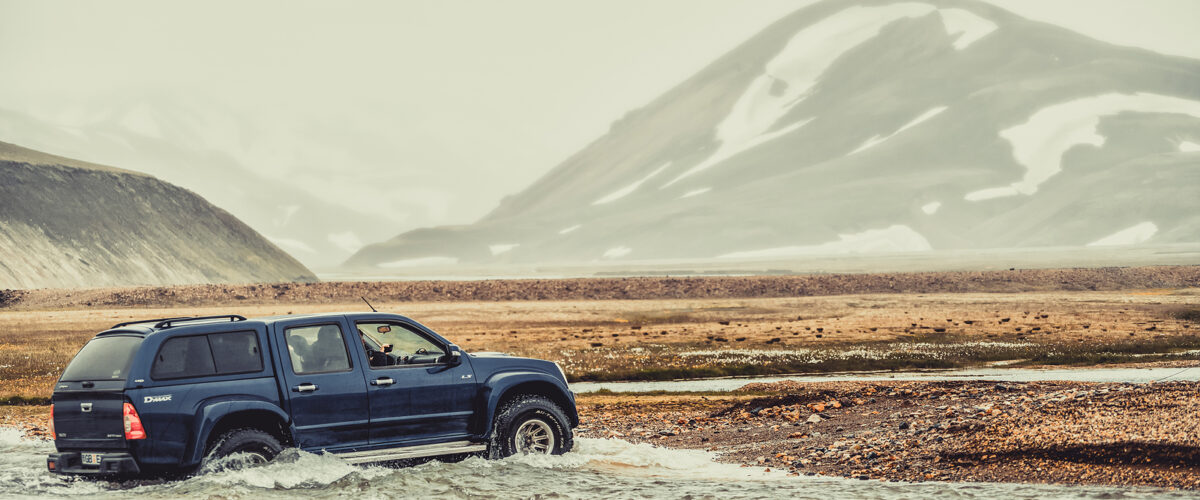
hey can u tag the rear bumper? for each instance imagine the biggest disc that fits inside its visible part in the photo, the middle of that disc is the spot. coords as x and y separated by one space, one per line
110 464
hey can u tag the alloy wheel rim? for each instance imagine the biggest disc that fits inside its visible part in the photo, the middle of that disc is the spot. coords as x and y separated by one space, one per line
534 436
253 457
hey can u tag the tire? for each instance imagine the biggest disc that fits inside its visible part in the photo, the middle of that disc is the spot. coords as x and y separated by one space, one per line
259 446
530 424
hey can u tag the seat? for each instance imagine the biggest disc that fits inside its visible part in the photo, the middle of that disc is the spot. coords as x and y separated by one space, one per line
328 352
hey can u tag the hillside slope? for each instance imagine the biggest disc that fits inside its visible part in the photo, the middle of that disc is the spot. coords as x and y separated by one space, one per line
868 126
196 146
66 223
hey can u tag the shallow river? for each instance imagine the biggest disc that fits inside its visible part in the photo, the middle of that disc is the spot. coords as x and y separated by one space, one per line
1131 375
598 468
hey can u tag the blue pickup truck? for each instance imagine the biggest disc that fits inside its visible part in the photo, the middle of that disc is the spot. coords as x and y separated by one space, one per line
166 395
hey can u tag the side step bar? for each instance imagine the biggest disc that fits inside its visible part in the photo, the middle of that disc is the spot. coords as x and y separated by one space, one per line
405 452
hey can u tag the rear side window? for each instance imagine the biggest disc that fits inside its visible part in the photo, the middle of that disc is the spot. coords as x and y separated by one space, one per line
184 357
103 358
202 355
236 352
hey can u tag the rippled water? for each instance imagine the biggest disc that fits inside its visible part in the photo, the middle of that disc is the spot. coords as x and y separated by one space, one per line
1131 375
599 468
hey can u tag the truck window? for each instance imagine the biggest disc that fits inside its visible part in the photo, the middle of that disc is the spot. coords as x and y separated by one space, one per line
183 357
103 358
235 352
317 349
408 345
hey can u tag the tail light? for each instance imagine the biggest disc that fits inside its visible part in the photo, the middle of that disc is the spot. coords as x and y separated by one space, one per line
133 423
53 435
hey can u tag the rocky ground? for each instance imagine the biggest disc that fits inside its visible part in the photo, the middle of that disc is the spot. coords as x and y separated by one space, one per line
1052 432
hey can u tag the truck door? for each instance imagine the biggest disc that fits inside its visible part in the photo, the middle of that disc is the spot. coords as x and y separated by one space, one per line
417 393
325 389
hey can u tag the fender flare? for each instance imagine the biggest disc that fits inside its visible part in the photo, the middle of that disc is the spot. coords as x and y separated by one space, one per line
209 414
498 386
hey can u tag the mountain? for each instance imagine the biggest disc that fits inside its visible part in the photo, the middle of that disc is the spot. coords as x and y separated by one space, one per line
67 223
207 149
868 126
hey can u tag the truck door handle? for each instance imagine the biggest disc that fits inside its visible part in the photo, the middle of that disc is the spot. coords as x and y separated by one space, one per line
306 387
383 381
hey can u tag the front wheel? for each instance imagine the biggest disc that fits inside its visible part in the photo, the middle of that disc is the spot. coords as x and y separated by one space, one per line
530 425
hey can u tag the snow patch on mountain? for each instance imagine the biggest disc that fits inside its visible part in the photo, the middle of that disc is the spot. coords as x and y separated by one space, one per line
346 240
872 142
621 193
931 207
790 76
1129 236
737 136
896 238
990 193
968 26
1188 147
617 252
570 229
420 262
1040 142
696 192
501 248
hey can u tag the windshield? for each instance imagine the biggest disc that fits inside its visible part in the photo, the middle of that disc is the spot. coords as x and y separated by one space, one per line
103 358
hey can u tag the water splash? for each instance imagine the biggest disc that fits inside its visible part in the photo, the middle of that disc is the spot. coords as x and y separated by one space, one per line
598 468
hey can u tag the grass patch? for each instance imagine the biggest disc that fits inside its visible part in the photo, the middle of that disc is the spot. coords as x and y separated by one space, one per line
1169 348
749 370
1187 314
24 401
926 352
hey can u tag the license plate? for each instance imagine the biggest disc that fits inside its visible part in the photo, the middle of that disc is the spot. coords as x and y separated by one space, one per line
90 458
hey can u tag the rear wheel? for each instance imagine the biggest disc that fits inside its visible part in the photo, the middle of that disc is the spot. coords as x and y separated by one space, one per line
530 424
252 446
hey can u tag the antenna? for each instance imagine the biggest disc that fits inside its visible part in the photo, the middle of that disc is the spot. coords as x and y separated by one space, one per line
369 304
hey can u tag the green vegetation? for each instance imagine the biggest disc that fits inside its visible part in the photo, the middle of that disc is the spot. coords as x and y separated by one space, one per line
1161 349
746 369
23 401
1187 314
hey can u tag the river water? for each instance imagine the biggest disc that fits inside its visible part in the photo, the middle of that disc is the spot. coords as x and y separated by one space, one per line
598 468
1130 375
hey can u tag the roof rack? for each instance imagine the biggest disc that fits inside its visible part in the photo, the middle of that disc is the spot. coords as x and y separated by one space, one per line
169 322
157 320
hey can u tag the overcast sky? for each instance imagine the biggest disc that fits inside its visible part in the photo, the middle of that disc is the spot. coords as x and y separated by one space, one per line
459 103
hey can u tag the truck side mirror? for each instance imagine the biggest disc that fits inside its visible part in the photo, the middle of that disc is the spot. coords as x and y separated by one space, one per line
454 358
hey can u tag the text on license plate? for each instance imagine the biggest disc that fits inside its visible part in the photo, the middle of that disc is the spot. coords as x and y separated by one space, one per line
90 458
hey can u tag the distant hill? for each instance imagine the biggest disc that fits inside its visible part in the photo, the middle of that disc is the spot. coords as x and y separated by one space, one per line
68 223
868 126
194 145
